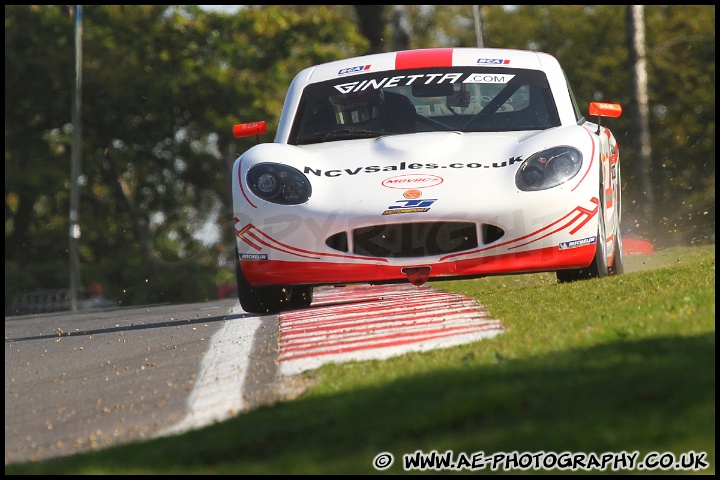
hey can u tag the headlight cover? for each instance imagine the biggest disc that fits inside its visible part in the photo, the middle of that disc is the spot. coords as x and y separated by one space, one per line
549 168
279 183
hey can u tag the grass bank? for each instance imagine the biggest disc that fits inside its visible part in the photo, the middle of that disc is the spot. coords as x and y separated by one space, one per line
618 364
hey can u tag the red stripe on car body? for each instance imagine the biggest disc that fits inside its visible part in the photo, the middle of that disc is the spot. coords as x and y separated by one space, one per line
436 57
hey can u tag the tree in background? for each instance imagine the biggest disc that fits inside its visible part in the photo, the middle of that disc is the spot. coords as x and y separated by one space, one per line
162 88
39 74
639 109
372 24
591 43
163 85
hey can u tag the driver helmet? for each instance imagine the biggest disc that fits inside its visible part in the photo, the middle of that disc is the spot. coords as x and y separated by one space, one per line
357 107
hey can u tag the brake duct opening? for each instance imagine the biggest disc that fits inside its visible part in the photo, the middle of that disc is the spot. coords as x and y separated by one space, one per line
417 275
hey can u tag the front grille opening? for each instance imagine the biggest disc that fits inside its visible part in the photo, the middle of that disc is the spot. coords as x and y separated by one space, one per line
491 233
414 240
339 242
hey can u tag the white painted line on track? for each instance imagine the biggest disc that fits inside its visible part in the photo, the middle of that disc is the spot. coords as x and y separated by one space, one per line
217 394
354 323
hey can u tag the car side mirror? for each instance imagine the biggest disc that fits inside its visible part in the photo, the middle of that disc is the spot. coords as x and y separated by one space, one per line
247 129
601 109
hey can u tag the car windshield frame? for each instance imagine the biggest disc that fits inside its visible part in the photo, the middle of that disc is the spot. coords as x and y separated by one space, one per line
459 99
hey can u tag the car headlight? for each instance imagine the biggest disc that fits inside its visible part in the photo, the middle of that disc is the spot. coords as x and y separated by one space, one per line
278 183
548 168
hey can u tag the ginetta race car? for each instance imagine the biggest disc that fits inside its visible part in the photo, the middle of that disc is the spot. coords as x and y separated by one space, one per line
425 165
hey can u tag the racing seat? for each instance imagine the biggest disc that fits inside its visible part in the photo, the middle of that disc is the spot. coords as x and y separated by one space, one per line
400 114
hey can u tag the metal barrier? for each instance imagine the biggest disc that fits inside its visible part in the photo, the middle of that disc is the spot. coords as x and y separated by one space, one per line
40 301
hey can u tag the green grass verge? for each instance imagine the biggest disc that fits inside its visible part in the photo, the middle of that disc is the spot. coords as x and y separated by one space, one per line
619 364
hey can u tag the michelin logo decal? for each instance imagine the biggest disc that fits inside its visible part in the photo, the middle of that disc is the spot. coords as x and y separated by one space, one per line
253 256
577 243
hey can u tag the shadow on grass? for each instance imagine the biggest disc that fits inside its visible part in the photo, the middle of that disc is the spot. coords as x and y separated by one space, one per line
650 395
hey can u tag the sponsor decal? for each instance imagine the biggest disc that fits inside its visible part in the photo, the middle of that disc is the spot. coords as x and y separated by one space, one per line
488 78
253 256
577 243
413 180
418 79
412 194
492 61
399 81
359 68
318 172
405 210
410 206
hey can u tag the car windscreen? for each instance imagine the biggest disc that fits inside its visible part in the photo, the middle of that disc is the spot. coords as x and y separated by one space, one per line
465 99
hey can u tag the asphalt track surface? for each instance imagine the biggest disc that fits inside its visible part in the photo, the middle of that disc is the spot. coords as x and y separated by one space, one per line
353 323
87 380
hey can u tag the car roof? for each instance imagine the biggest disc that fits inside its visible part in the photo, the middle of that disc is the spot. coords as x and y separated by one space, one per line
428 58
431 57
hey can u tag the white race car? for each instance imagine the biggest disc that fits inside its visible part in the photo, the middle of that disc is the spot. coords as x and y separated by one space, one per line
425 165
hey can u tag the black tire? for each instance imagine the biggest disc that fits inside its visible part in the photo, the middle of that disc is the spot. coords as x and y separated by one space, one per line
300 297
597 269
599 266
264 300
618 265
269 300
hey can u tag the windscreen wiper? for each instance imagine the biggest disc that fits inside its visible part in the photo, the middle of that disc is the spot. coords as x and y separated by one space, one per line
344 134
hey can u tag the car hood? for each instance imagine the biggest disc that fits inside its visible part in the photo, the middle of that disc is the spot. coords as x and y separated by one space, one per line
417 146
439 163
430 150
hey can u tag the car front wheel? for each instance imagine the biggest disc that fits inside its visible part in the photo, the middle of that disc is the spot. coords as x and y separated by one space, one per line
599 266
618 265
269 300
